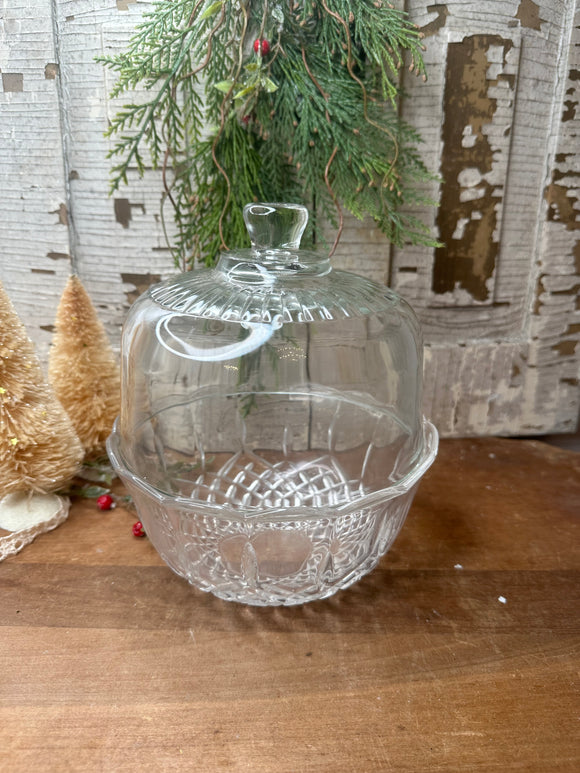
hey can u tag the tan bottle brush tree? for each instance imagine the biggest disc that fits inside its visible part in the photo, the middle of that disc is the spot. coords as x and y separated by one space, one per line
83 370
39 449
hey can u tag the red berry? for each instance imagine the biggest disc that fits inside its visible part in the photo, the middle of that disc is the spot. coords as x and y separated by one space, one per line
138 530
261 47
105 502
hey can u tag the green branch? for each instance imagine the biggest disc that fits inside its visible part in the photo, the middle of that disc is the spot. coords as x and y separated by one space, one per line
252 100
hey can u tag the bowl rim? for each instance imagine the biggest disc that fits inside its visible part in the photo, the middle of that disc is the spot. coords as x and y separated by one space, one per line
296 513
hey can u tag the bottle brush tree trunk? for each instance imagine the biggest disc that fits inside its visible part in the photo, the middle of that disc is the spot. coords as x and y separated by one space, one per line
82 369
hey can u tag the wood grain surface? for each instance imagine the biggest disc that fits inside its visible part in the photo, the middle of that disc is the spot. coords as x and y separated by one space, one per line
458 653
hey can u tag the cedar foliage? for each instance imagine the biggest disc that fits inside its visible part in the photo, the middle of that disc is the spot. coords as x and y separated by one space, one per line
39 449
312 117
82 368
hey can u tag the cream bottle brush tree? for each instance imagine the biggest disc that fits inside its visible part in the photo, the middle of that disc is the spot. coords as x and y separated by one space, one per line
39 449
82 368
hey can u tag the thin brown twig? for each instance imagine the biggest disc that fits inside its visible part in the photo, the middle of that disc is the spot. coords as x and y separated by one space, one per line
312 78
213 31
220 168
194 12
335 202
174 252
167 154
190 74
223 172
275 52
166 187
264 18
241 43
349 64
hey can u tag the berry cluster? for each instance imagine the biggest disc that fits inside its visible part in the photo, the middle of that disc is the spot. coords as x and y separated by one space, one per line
261 47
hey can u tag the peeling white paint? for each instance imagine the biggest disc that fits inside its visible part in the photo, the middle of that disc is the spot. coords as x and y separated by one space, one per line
495 54
460 227
469 177
471 194
469 137
494 70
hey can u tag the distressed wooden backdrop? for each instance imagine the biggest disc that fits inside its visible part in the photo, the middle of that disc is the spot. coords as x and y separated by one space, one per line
499 115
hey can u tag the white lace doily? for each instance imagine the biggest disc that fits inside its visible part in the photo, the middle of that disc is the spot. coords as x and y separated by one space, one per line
26 516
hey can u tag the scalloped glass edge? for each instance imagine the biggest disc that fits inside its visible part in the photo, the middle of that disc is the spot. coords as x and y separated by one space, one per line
426 459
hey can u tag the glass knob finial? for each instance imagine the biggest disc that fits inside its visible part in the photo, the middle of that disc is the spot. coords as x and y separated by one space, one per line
275 226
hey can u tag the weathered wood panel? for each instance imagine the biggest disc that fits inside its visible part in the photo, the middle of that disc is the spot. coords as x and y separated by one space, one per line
499 304
118 240
478 106
534 68
34 222
555 314
498 115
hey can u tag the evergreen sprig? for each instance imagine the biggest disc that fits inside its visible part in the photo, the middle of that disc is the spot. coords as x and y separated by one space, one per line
310 114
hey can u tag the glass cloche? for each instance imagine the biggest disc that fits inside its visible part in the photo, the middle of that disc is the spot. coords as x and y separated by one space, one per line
270 431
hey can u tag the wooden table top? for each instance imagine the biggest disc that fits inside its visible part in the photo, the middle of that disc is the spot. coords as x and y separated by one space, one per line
458 653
